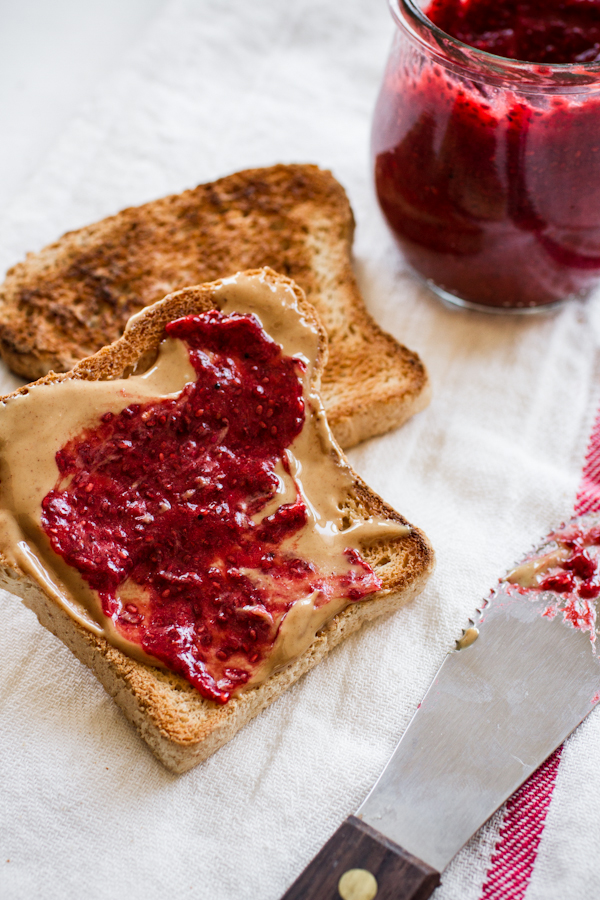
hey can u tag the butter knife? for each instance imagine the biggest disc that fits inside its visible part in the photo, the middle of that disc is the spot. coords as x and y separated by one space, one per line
522 677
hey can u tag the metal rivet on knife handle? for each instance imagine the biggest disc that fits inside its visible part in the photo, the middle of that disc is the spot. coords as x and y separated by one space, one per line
359 849
357 884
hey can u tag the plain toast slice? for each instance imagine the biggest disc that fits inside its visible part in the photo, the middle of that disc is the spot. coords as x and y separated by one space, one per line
76 295
180 726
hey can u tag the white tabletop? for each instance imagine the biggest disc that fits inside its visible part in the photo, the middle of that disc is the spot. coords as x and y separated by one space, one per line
52 55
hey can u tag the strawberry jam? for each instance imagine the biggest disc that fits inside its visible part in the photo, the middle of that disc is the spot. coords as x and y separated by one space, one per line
544 31
162 510
488 172
570 571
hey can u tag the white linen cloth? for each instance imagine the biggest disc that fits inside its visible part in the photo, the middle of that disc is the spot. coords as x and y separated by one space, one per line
215 86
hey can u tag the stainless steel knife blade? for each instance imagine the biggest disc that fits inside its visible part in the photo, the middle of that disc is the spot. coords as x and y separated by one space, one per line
522 678
494 712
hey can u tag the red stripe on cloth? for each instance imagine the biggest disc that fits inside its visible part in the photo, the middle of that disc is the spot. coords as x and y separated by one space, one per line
512 862
588 495
520 835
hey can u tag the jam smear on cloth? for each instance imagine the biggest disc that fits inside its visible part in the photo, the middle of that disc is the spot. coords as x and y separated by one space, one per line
157 508
491 184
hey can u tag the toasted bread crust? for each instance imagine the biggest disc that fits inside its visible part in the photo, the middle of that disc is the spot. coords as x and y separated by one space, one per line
179 725
76 295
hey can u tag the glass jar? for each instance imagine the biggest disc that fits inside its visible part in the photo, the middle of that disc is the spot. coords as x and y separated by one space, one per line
488 169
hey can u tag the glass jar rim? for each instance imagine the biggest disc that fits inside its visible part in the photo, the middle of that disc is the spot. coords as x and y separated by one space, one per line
541 76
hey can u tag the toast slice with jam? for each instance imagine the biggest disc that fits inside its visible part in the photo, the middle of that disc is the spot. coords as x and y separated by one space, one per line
189 526
76 295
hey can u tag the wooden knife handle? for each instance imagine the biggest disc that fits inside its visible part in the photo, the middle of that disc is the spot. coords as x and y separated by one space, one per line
359 863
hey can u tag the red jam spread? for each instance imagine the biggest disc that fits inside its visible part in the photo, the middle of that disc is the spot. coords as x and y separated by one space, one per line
492 192
158 508
544 31
571 571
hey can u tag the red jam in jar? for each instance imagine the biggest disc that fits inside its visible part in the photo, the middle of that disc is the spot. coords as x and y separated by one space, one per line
487 169
161 508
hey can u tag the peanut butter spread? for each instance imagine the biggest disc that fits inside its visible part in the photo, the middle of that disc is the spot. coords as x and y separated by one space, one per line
295 561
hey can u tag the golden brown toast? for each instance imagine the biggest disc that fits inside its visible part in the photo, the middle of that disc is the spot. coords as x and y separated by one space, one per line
76 295
180 726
